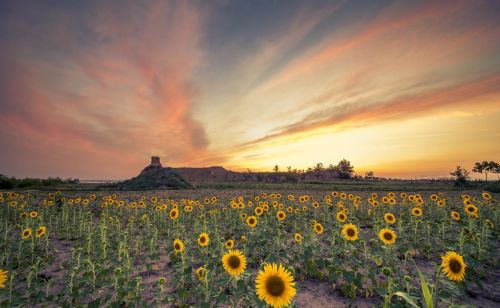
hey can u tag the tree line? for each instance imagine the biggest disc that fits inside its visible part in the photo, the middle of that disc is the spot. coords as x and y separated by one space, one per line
12 182
344 168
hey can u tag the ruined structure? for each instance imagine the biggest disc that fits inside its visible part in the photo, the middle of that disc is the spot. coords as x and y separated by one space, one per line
155 176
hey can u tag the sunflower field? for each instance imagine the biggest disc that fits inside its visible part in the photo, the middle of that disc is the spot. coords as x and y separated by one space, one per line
209 248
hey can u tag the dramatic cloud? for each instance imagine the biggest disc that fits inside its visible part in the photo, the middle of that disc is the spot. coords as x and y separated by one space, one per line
92 89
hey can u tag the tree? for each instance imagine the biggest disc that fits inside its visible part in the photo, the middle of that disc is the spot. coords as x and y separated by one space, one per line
495 169
461 176
478 168
345 169
289 169
485 167
369 175
319 167
276 168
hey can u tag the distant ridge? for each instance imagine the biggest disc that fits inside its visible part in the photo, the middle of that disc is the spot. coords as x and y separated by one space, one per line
218 174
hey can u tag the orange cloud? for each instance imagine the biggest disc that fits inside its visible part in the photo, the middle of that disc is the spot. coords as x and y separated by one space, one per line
396 109
118 91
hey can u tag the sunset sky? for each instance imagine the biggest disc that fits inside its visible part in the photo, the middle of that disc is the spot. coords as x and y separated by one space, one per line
92 89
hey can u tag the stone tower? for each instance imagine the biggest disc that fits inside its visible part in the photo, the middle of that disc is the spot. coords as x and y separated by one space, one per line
155 161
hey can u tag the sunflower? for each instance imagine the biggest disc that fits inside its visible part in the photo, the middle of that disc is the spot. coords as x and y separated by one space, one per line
203 239
350 232
23 215
274 285
201 273
453 266
234 262
471 210
298 238
33 214
3 278
341 217
280 215
229 244
416 211
390 218
178 245
26 233
243 239
41 231
259 211
251 221
455 215
318 228
174 214
486 196
387 236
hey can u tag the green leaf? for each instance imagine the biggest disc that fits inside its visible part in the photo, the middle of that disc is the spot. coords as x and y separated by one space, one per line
425 290
407 298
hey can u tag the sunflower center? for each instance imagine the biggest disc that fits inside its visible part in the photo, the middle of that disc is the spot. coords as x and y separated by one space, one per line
455 266
388 236
234 261
350 232
251 221
177 246
341 216
390 218
275 286
26 233
203 239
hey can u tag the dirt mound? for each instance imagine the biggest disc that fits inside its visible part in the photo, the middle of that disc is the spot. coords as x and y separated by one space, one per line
155 177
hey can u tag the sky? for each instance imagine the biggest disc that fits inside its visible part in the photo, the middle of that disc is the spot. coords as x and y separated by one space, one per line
92 89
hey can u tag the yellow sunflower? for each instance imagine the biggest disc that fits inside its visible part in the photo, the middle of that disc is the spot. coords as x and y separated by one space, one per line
259 211
350 232
251 221
298 238
387 236
234 262
203 239
3 278
33 214
280 215
486 196
26 233
274 285
390 218
174 214
416 211
318 228
471 210
455 215
341 217
178 245
41 231
453 266
229 244
201 273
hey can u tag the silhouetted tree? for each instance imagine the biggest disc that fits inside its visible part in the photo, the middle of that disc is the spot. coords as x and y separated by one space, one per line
319 167
485 167
345 169
369 175
461 176
276 168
